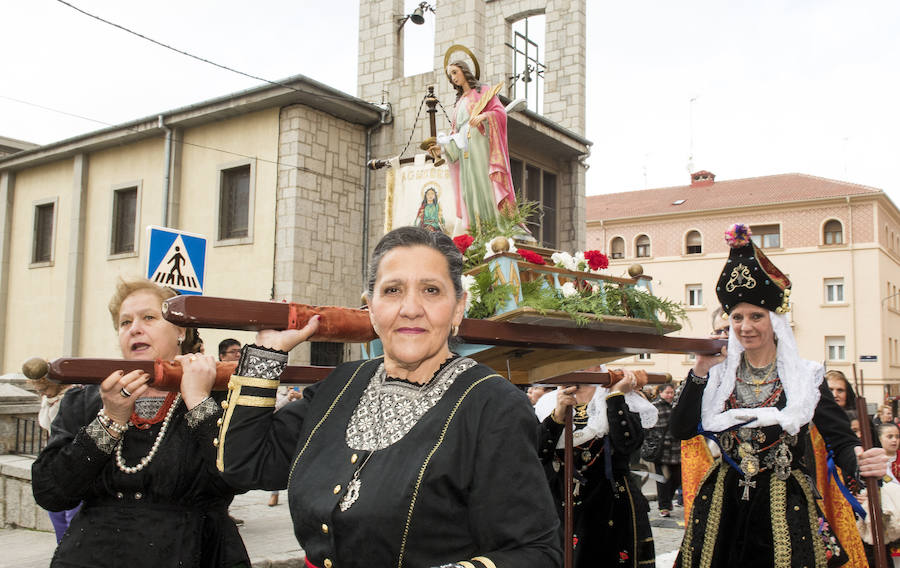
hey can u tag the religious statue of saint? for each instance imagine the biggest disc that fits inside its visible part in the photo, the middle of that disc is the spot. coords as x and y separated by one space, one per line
477 149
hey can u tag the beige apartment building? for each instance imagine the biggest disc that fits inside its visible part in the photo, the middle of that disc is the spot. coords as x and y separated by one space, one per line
838 242
275 177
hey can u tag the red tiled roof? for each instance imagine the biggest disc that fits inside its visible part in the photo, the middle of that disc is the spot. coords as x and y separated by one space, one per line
780 188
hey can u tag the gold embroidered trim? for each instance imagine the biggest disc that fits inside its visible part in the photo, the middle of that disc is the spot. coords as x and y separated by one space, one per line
712 521
226 421
818 545
433 451
484 559
258 401
235 384
781 538
687 556
466 564
327 414
634 542
254 382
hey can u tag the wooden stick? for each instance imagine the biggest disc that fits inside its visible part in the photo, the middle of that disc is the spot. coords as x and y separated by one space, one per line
336 324
349 325
599 378
569 507
166 375
874 493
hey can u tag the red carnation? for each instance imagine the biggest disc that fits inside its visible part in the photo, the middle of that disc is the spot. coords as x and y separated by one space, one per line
596 260
531 256
463 242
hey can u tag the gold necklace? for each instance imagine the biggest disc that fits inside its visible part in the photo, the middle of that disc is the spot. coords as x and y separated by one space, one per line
757 384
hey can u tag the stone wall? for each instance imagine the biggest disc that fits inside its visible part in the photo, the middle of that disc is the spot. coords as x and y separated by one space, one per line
17 506
319 212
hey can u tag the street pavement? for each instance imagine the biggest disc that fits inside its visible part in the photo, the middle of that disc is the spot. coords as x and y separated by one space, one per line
269 538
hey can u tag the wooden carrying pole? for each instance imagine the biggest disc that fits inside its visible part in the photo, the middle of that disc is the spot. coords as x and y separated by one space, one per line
569 507
872 490
348 325
165 375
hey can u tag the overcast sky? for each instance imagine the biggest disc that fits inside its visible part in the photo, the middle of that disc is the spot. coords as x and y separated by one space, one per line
810 86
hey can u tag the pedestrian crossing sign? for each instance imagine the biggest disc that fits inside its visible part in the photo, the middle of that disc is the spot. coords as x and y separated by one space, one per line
177 259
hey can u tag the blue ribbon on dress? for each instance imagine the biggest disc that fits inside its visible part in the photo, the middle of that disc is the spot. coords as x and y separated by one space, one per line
832 472
712 436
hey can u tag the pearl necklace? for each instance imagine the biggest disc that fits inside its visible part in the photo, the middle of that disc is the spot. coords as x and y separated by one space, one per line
120 461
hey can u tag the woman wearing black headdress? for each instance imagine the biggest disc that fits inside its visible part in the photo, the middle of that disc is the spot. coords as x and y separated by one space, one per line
757 398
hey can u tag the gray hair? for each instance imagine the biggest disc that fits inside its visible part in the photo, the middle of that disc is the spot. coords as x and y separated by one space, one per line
417 236
717 313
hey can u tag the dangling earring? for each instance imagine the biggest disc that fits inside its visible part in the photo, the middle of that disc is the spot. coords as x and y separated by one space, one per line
180 340
454 330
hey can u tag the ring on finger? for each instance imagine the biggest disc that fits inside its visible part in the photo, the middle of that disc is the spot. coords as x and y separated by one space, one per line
124 392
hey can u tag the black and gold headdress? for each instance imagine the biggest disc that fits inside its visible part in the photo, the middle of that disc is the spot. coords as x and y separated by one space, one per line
749 276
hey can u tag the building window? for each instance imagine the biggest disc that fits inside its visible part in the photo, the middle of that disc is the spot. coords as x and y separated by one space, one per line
44 220
234 203
694 294
836 346
643 356
327 354
642 246
693 242
766 236
124 221
540 187
617 248
834 232
527 73
834 290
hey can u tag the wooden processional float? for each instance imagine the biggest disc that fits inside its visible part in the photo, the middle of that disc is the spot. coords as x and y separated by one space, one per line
518 344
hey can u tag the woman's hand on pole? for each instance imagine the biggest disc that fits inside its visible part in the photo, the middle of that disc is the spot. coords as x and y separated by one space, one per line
287 339
119 391
872 462
627 383
704 363
564 398
198 376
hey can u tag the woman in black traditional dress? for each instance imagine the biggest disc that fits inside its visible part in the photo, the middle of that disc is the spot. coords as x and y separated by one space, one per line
143 464
416 459
611 526
756 505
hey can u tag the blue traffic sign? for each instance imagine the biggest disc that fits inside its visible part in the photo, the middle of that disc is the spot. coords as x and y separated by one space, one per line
177 259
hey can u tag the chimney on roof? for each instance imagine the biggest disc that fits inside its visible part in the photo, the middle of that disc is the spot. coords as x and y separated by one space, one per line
702 178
